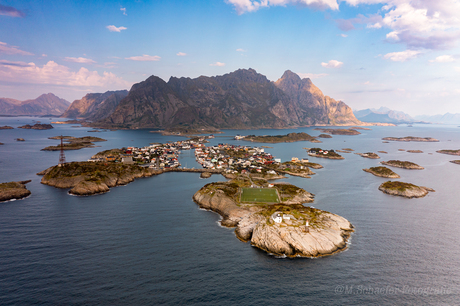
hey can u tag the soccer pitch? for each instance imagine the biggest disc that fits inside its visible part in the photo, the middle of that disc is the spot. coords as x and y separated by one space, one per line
260 195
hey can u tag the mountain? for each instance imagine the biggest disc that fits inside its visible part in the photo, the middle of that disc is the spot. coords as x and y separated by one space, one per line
447 118
240 99
46 104
95 106
383 114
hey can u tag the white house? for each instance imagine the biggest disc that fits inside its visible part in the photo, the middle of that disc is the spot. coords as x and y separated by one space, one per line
277 217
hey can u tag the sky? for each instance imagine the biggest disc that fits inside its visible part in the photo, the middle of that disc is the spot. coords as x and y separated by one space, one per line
400 54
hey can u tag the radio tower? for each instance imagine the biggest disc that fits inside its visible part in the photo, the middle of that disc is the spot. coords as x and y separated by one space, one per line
61 155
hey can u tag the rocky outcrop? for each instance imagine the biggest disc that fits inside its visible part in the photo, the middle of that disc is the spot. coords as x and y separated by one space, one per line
311 233
46 104
411 138
402 164
88 178
13 190
6 127
36 126
370 155
382 172
449 152
406 190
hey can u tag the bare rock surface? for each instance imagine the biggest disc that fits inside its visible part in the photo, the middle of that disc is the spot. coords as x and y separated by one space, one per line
13 190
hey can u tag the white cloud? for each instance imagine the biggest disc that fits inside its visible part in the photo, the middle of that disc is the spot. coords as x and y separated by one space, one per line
218 64
123 9
144 58
344 35
7 49
240 50
80 60
402 56
54 74
113 28
312 75
443 59
181 54
332 64
245 6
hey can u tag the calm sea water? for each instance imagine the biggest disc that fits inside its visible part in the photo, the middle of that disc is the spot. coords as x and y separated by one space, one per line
148 243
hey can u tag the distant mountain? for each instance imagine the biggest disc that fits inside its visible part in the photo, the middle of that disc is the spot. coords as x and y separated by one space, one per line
383 114
240 99
95 106
447 118
46 104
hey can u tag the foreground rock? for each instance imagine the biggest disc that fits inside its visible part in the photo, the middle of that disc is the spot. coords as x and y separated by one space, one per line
13 190
382 172
411 138
285 229
402 164
36 126
406 190
88 178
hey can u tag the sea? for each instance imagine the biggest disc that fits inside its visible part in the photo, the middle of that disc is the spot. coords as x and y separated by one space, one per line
148 243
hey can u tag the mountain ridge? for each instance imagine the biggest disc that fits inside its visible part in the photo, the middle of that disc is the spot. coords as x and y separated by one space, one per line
45 104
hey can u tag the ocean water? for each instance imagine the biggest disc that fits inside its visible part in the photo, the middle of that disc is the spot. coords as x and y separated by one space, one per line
148 243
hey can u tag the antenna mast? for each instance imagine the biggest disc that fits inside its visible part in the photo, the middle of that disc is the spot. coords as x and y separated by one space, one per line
62 155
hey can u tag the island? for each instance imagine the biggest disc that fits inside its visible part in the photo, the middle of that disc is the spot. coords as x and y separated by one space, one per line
317 152
296 168
411 138
273 218
6 127
371 155
291 137
14 190
37 126
455 162
402 164
449 152
73 143
415 151
406 190
382 172
339 131
324 136
384 152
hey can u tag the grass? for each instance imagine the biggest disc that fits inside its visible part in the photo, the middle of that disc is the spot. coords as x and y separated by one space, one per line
259 195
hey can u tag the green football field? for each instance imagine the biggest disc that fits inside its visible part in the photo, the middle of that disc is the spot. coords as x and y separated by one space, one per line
263 195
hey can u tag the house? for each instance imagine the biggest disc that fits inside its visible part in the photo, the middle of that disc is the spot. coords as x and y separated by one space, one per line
277 217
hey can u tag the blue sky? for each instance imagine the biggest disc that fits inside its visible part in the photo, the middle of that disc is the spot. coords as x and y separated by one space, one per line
369 53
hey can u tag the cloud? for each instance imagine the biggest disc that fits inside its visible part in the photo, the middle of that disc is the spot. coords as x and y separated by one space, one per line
344 35
312 75
443 59
345 24
218 64
7 49
402 56
11 11
240 50
247 6
81 60
54 74
181 54
123 9
332 64
113 28
144 58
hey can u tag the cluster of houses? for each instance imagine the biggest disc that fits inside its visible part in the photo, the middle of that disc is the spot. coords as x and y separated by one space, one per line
234 158
315 151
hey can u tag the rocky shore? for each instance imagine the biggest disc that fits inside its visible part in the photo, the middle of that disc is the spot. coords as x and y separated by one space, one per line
411 138
36 126
402 164
339 131
291 137
14 190
449 152
73 143
406 190
371 155
382 172
302 231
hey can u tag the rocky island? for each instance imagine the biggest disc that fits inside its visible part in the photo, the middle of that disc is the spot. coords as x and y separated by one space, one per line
402 164
13 190
411 138
406 190
317 152
449 152
37 126
382 172
455 162
6 127
284 228
339 131
74 143
371 155
291 137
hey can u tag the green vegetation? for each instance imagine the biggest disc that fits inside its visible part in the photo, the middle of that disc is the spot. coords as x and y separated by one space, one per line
400 186
299 212
291 137
450 152
321 153
259 195
383 170
339 131
402 164
73 143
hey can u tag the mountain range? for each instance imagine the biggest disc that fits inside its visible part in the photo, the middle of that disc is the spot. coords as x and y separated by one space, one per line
447 118
383 114
46 104
240 99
